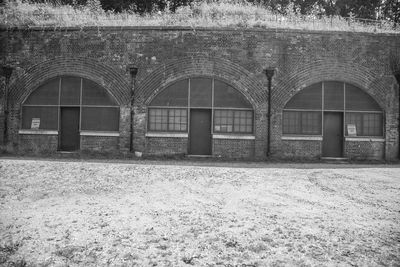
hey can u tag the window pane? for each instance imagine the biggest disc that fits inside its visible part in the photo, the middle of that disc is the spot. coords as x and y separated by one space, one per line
158 119
367 124
70 90
356 119
308 98
291 122
372 124
243 122
174 95
357 99
48 117
46 94
333 95
223 121
227 96
177 120
94 94
200 92
236 121
302 122
100 119
311 123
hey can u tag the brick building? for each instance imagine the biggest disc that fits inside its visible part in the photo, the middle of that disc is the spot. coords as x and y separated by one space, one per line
202 92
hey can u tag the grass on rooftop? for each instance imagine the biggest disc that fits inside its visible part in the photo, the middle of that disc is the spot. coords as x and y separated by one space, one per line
238 14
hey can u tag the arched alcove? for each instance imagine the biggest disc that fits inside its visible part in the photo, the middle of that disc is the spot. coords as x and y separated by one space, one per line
231 112
304 113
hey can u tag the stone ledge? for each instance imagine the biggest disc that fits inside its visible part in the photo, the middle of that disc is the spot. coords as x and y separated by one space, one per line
99 133
170 135
42 132
364 139
304 138
232 136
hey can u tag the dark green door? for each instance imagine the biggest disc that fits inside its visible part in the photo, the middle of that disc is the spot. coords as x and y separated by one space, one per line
332 144
200 132
69 138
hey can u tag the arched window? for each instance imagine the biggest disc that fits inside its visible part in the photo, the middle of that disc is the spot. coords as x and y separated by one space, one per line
98 111
303 114
169 110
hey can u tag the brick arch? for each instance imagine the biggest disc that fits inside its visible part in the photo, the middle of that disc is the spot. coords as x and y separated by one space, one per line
224 70
155 94
305 87
90 69
324 70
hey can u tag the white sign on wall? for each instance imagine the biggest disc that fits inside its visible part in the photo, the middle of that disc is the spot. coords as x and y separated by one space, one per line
351 130
35 123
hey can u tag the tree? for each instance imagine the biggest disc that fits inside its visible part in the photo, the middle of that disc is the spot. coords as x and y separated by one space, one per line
366 9
391 10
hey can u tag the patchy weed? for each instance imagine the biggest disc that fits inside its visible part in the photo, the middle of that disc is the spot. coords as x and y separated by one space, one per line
239 14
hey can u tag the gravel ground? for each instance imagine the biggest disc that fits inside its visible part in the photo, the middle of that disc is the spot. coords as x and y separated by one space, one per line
76 213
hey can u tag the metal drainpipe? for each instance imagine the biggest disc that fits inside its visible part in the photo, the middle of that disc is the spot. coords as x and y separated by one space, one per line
269 73
133 70
397 75
7 71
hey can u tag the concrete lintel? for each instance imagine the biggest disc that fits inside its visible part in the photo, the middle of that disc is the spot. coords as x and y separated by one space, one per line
304 138
233 136
99 133
364 139
42 132
171 135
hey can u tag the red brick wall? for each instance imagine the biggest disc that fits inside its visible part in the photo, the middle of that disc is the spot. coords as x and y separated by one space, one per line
49 143
38 143
366 150
99 143
226 148
166 146
299 149
230 148
238 57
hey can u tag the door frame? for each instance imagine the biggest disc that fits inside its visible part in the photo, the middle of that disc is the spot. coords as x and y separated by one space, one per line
60 128
342 133
190 129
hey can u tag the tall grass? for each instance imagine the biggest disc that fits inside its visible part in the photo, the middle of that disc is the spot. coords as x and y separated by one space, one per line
228 13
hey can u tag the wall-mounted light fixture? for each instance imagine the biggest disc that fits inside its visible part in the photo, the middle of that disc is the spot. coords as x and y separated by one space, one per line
133 70
7 71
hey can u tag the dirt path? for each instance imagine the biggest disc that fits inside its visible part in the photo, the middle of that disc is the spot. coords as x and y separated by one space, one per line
73 213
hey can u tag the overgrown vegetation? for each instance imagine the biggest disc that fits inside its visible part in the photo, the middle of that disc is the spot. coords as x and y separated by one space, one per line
365 9
223 13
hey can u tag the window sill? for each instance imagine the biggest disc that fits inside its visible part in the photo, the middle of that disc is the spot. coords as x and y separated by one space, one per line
165 134
234 136
304 138
365 139
43 132
99 133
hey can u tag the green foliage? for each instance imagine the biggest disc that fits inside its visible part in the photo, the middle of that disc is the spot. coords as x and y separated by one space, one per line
367 9
94 6
222 13
360 8
391 10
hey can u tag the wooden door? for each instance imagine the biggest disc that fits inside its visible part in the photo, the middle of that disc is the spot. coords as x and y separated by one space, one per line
69 137
332 144
200 132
